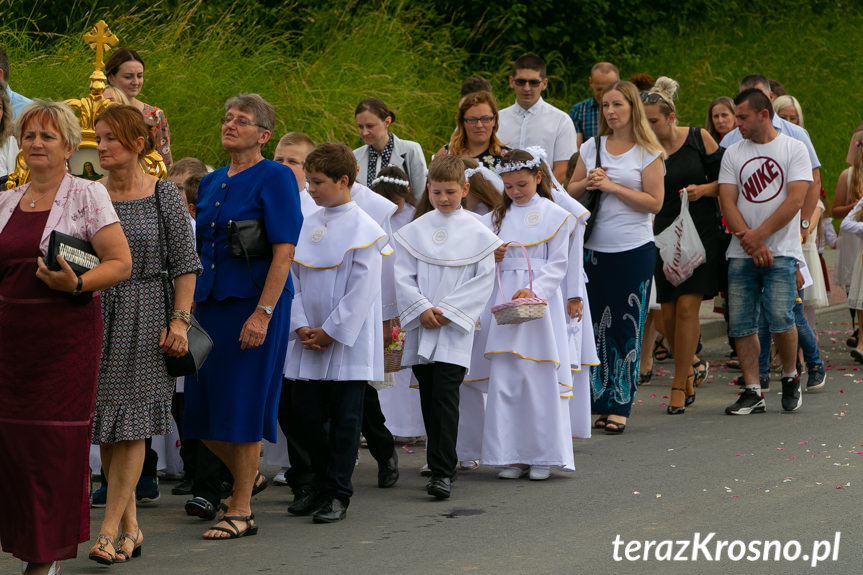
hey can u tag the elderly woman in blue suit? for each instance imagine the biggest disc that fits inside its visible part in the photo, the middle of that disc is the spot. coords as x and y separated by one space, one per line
244 304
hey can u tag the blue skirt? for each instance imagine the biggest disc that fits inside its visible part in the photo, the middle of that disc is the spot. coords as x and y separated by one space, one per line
619 290
235 396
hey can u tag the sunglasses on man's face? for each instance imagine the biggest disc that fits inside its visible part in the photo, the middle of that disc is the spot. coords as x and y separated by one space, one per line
520 82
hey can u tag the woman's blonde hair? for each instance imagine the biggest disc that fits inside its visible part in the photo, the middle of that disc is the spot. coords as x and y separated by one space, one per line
641 132
665 90
784 101
458 140
59 113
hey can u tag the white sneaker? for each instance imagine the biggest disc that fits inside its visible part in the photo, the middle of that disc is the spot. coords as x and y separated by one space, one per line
279 479
539 472
512 472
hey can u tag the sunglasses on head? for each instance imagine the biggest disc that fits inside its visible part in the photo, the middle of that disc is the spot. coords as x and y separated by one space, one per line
520 82
651 98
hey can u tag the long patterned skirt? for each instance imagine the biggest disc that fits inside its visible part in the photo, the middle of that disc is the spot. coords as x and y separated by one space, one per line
619 288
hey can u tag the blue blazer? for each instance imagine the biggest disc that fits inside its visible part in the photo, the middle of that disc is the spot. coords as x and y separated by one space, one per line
267 191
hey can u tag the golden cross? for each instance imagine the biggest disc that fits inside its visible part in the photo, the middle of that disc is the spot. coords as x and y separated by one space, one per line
99 38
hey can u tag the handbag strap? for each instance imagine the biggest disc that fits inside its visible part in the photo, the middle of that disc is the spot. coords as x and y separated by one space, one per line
598 141
163 256
529 271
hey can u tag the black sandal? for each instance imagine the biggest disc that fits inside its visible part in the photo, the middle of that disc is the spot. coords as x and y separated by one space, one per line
676 410
136 549
617 429
232 530
600 422
852 341
700 374
260 484
101 542
660 352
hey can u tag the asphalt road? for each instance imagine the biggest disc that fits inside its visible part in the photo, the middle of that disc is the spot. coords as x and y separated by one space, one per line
793 478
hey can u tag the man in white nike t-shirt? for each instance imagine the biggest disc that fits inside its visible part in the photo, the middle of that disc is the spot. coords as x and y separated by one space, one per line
762 185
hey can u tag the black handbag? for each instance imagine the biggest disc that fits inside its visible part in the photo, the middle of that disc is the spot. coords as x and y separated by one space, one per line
78 253
200 342
248 240
591 198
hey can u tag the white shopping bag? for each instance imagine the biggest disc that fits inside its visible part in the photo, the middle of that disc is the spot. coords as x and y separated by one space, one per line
680 247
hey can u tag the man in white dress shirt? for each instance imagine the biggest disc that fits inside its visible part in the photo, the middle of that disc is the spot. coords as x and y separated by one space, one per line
532 121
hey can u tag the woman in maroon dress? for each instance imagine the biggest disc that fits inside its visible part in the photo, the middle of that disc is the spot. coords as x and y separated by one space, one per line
49 343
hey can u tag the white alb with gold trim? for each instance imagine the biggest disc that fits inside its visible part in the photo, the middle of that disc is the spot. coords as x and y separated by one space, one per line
337 283
444 261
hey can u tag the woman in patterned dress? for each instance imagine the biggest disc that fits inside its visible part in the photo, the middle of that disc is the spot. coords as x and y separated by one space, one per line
49 344
125 73
133 399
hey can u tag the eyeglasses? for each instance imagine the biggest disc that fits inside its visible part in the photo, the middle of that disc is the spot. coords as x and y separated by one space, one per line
480 120
520 82
240 122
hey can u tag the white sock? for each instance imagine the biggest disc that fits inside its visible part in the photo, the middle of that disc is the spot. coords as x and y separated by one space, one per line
792 374
755 388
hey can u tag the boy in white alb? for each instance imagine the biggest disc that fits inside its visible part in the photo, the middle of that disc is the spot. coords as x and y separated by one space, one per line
336 319
379 438
762 184
444 278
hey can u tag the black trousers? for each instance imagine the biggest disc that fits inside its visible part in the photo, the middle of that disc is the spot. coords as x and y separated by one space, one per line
378 436
439 394
330 414
207 472
301 475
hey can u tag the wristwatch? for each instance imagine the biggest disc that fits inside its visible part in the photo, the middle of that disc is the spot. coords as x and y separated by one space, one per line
267 309
804 224
77 290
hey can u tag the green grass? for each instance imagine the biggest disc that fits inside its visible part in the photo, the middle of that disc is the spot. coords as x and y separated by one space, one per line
316 62
314 82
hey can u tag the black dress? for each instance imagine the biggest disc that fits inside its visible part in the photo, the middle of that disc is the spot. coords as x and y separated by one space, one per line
688 166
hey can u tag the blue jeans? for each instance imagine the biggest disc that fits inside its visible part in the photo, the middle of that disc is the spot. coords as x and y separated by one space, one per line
752 289
805 340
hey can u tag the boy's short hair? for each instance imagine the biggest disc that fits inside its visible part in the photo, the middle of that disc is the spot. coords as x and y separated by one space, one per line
529 62
446 168
475 84
295 139
334 160
189 167
190 188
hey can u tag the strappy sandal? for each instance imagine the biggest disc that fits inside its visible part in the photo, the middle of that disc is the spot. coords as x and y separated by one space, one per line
691 382
660 352
136 549
702 368
260 484
618 428
232 530
600 422
676 410
101 542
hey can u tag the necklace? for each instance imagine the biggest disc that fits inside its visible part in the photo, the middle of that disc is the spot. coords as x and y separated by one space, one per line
32 201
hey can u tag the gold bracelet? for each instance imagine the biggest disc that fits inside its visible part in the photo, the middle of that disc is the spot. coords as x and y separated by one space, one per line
182 315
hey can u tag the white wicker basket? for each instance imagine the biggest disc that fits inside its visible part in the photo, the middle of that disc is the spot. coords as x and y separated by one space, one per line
522 309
